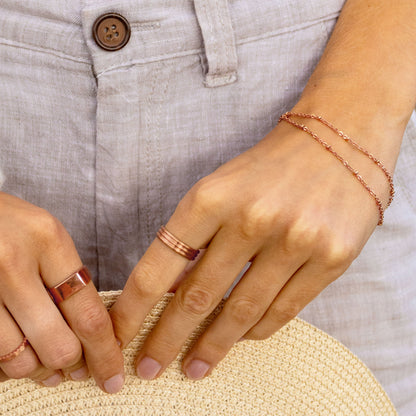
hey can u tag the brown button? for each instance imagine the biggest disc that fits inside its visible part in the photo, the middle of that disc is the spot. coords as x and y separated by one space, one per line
111 31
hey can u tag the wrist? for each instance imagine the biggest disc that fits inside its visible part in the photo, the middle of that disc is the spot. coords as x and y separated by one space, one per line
371 102
368 74
369 125
294 119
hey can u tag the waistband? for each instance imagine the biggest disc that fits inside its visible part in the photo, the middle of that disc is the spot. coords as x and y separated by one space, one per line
160 29
46 26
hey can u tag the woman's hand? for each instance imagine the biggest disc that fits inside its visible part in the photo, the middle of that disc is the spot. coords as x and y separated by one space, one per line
36 251
288 206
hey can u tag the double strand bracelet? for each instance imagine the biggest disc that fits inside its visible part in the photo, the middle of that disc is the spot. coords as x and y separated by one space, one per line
348 139
287 117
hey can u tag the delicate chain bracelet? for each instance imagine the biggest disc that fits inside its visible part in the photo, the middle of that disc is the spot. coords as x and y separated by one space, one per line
354 144
286 117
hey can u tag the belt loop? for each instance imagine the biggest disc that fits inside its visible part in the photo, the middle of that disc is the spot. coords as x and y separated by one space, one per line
219 43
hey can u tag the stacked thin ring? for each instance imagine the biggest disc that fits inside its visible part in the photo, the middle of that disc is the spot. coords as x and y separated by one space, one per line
176 245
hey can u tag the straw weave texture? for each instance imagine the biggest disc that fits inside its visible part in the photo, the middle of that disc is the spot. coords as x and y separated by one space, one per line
300 370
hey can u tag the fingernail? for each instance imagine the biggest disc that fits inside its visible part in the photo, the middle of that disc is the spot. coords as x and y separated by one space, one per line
148 368
241 339
80 374
114 384
118 342
197 369
52 381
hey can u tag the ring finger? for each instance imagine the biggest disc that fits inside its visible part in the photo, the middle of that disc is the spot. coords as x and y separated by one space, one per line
246 305
28 302
310 280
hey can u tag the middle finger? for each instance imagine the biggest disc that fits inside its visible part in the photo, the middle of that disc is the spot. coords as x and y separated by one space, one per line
38 318
194 300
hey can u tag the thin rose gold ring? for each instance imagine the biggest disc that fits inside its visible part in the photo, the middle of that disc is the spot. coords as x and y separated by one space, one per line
175 244
72 284
15 352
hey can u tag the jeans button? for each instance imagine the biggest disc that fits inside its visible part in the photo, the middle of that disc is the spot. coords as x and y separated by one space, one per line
111 31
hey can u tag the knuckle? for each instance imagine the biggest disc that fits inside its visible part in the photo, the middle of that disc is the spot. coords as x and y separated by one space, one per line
257 334
9 256
301 234
283 312
307 292
93 321
64 355
25 367
195 301
145 284
48 228
257 219
244 310
217 349
13 275
201 198
339 255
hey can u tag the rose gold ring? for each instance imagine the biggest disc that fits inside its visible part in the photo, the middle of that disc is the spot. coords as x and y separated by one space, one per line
15 352
70 285
176 245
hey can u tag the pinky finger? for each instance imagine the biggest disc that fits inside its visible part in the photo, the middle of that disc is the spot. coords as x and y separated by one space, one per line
301 288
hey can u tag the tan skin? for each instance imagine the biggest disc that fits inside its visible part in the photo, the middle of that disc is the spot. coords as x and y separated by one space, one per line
286 203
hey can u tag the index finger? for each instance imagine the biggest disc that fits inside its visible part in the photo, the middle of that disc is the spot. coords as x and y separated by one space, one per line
89 319
159 267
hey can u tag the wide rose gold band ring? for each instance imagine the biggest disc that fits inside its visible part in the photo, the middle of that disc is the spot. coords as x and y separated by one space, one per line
72 284
15 352
175 244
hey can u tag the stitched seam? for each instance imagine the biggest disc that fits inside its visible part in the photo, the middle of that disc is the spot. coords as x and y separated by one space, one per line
53 52
157 143
220 80
208 42
222 75
226 46
288 29
151 121
20 16
139 26
200 50
241 41
217 16
97 217
150 60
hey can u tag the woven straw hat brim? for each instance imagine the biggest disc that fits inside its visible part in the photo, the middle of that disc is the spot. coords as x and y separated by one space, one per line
300 370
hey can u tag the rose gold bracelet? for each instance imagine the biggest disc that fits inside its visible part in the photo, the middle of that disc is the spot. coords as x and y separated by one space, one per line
352 143
328 147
